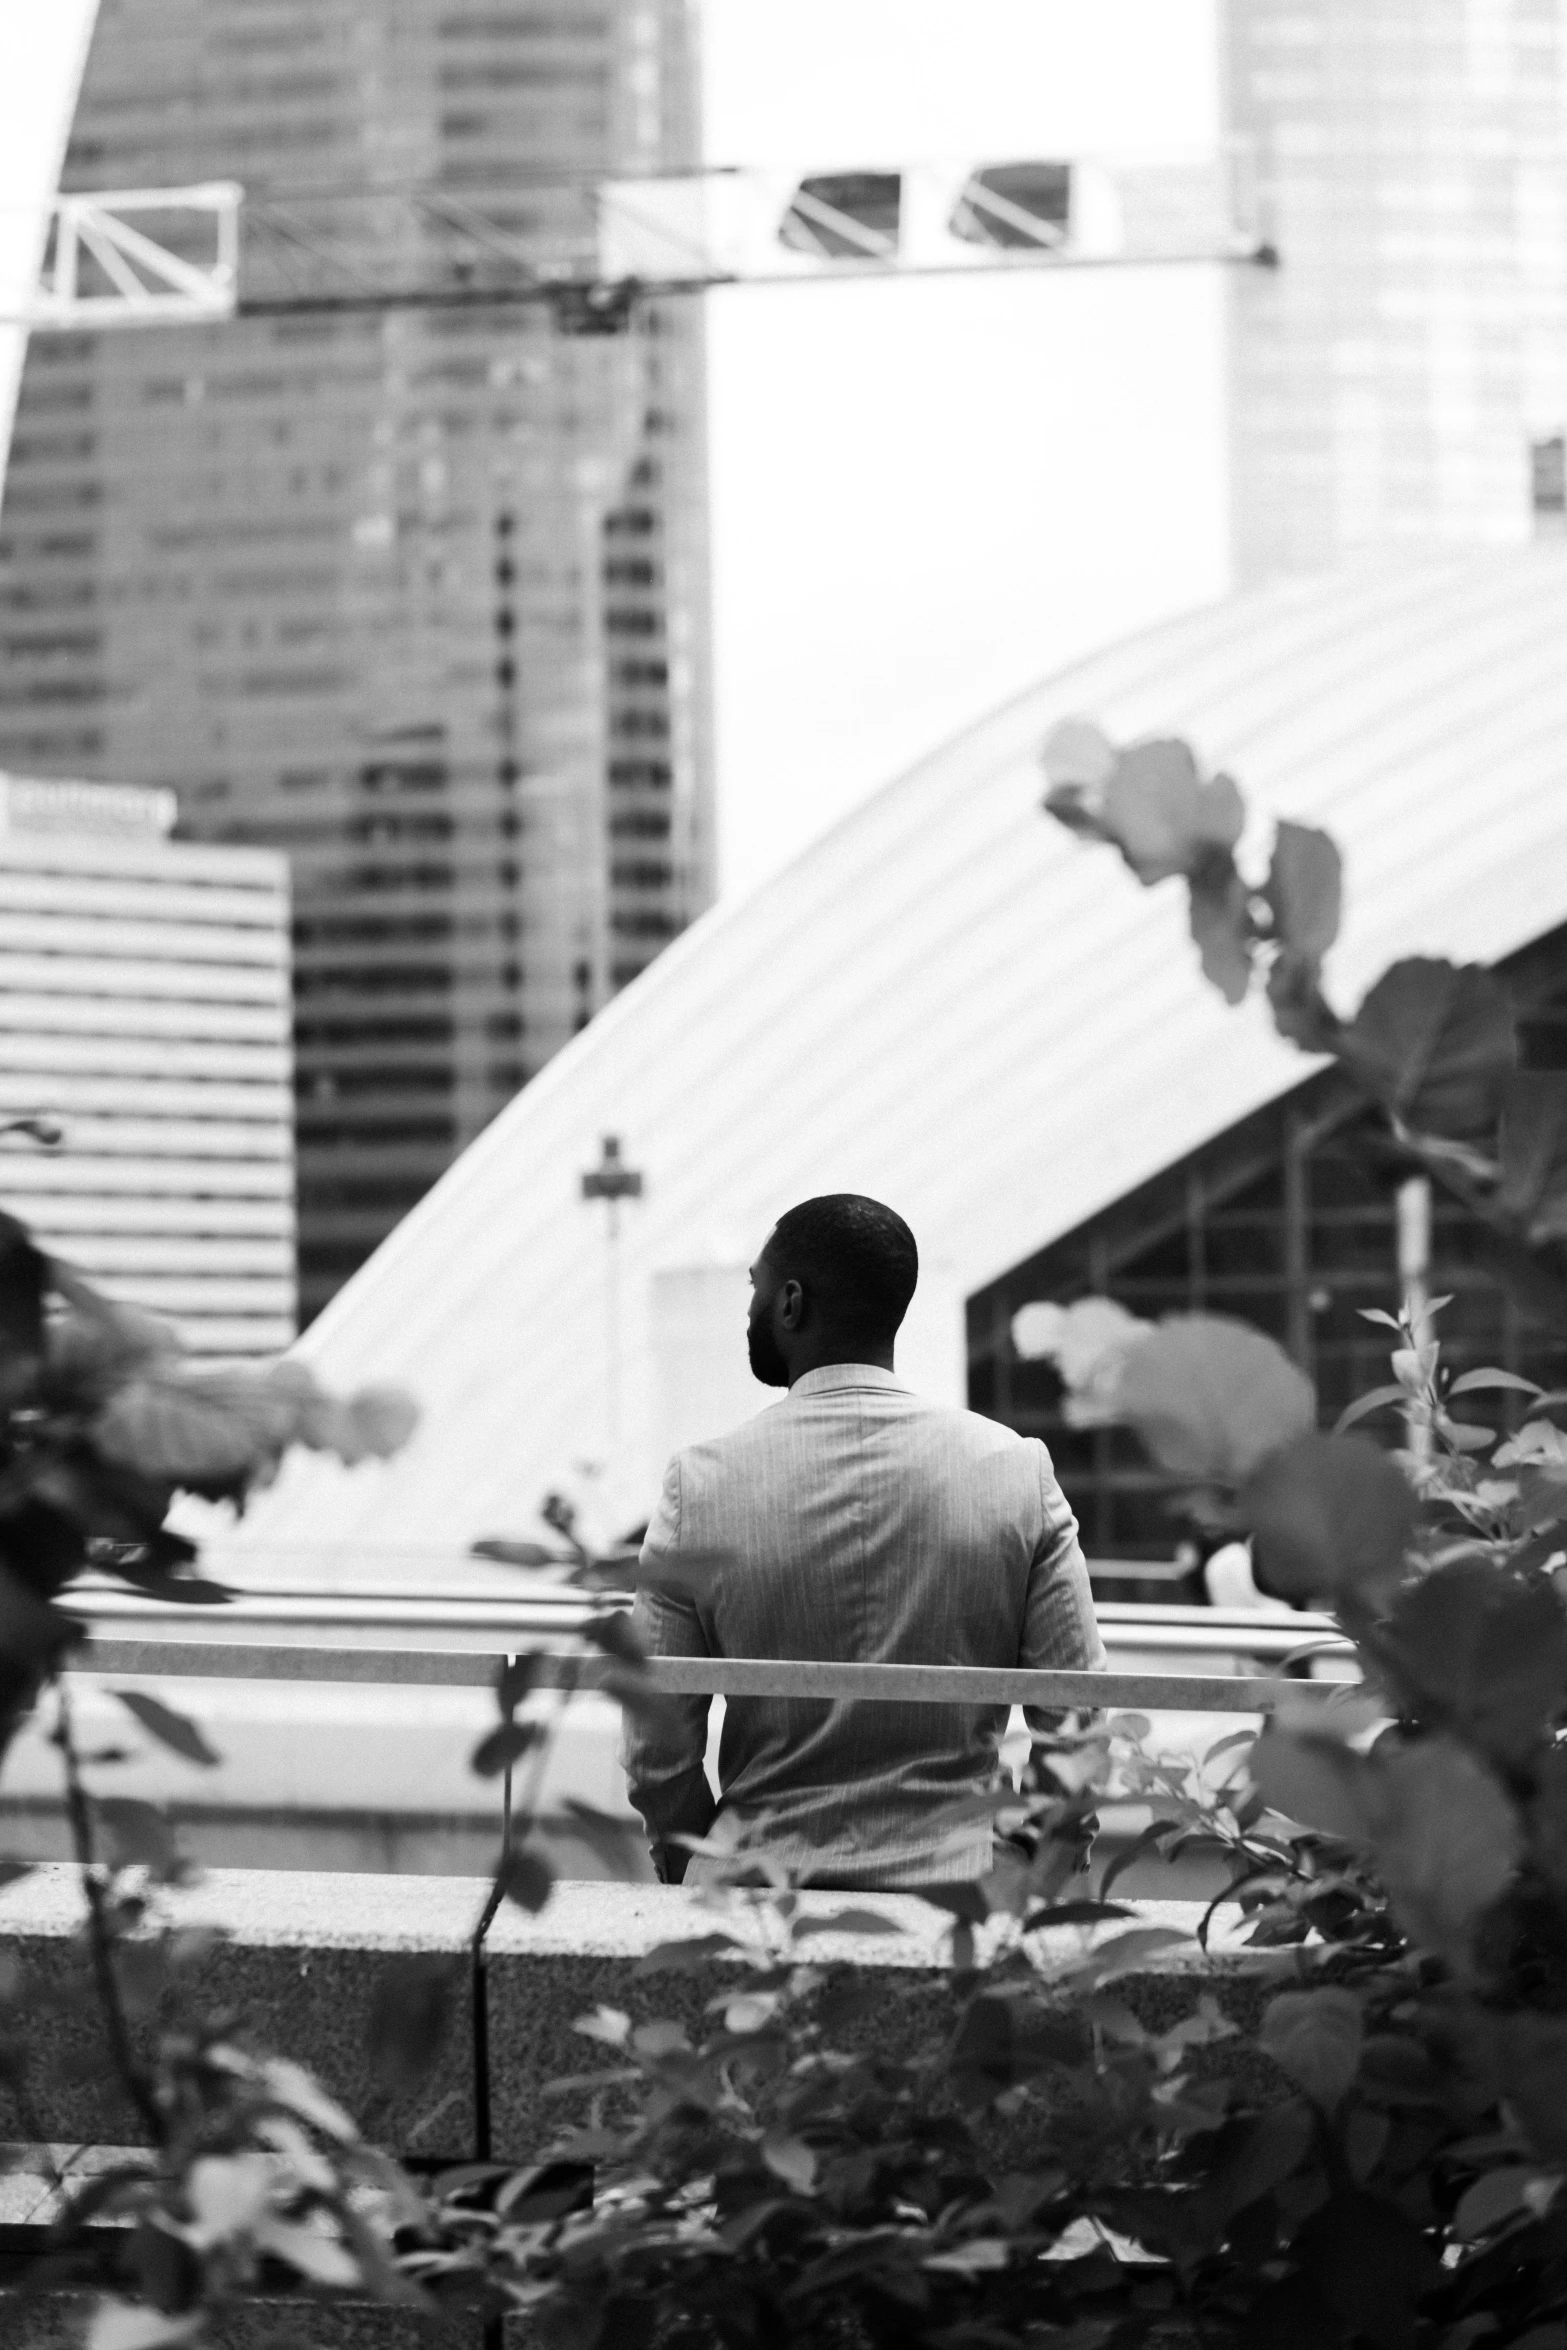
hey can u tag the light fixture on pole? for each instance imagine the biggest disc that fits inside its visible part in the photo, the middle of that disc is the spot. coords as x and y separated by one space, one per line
612 1180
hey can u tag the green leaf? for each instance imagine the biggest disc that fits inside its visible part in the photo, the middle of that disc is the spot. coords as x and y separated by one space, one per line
1533 1145
516 1677
1435 1042
410 2014
503 1746
1305 888
1330 1515
176 1731
212 1433
1211 1397
1485 1649
1316 2037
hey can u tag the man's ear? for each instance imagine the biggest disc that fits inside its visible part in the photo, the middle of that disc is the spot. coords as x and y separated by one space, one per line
791 1305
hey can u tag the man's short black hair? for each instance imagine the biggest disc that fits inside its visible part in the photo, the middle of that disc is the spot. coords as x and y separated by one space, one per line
855 1259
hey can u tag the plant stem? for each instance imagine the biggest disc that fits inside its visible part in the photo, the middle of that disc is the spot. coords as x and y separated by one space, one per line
100 1934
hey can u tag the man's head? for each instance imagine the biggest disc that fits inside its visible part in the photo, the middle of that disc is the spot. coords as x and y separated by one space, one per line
832 1285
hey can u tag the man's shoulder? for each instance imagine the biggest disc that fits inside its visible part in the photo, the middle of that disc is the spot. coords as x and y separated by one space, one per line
947 1428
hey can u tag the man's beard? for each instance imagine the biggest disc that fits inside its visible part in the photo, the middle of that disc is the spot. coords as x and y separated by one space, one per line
767 1363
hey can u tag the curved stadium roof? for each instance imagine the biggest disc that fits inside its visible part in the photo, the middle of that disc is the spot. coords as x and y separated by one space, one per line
950 1003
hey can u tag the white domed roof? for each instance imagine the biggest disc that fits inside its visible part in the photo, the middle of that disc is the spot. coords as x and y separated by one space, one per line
949 1003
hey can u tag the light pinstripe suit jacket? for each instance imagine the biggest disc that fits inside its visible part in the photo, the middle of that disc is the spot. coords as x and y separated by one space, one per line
856 1522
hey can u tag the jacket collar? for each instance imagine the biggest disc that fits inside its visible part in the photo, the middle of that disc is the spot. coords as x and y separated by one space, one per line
829 1376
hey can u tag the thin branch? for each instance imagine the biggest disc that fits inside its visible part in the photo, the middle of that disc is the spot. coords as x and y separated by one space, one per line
100 1934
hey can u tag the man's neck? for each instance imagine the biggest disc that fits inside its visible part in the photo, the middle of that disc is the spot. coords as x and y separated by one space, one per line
829 1351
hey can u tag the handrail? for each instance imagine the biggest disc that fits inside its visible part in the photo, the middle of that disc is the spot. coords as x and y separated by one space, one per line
472 1668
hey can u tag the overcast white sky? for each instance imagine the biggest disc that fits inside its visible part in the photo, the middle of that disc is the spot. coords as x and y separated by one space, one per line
924 494
927 494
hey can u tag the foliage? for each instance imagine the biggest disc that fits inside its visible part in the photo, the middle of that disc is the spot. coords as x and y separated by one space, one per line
1433 1043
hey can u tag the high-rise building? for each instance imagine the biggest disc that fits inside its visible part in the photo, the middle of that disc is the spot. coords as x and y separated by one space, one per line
1400 383
144 1017
416 595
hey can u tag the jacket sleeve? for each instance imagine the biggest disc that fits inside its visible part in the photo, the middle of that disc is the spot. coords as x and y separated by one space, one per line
1060 1629
664 1751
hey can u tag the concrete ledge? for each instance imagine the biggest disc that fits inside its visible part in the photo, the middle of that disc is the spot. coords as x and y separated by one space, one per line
301 1957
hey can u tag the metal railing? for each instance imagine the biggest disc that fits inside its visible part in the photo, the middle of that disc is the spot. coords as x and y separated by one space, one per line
585 1669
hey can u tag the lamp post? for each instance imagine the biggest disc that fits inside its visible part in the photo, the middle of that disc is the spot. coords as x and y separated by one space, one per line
612 1180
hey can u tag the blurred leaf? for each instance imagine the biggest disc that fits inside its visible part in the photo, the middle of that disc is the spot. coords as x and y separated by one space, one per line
685 1957
139 1834
514 1554
1369 2263
516 1677
1301 1012
1445 1839
1436 1042
1533 1149
618 1841
526 1878
210 1432
1484 1648
1330 1515
325 2260
1220 917
24 1272
617 1636
1532 2063
847 1921
791 2160
122 2325
176 1731
1211 1397
32 1632
1316 2037
1304 888
1496 2196
410 2014
302 2095
1123 1954
1077 752
502 1746
1312 1779
1161 815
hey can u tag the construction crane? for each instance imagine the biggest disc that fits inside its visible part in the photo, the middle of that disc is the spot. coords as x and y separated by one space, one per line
595 250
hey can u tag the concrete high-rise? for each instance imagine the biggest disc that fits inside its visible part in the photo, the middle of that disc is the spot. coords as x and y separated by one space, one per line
1399 385
417 596
144 1014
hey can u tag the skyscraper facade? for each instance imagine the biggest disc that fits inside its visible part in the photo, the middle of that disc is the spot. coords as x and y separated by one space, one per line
414 594
1400 382
144 1024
